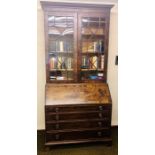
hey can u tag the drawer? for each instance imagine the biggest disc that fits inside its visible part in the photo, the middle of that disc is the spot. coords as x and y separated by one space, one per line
77 135
72 108
74 116
79 124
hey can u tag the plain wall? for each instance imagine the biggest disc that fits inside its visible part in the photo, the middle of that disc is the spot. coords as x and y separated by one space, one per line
112 68
40 70
112 78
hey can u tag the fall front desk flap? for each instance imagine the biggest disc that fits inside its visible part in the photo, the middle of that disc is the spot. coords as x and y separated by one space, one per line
77 93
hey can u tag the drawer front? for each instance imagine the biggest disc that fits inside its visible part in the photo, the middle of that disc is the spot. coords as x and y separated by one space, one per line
77 135
74 116
73 108
78 124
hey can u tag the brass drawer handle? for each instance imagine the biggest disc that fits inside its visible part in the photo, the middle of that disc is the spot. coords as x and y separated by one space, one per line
100 124
100 108
99 134
57 117
100 115
56 109
57 126
57 137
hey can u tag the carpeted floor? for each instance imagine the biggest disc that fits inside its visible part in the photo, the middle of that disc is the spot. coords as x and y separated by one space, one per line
79 149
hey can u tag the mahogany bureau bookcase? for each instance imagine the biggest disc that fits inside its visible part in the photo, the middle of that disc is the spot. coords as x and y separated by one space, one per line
78 103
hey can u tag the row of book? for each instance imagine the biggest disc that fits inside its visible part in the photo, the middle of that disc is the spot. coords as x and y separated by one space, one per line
96 46
61 46
60 63
93 62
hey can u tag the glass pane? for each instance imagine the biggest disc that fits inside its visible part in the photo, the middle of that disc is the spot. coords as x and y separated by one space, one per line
92 48
59 21
51 21
61 47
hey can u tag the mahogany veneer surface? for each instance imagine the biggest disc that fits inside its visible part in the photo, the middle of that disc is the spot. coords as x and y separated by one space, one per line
77 93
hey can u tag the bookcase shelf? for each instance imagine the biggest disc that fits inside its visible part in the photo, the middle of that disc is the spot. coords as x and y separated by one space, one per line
52 70
96 35
92 53
69 53
92 80
85 70
66 80
68 36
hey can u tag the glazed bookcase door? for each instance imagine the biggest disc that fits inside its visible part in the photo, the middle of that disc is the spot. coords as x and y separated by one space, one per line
92 47
61 47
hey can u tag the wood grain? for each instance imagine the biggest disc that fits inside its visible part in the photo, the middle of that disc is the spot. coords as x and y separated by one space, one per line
57 94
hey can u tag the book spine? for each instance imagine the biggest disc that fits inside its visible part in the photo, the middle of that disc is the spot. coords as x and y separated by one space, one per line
84 61
94 62
90 47
102 62
57 46
61 46
95 46
52 63
65 46
63 62
69 66
59 62
101 46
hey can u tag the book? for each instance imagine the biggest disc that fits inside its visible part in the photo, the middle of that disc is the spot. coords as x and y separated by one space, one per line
61 44
101 46
102 61
93 77
60 78
90 46
93 62
59 62
69 63
53 77
87 47
100 74
95 46
52 63
85 62
63 63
